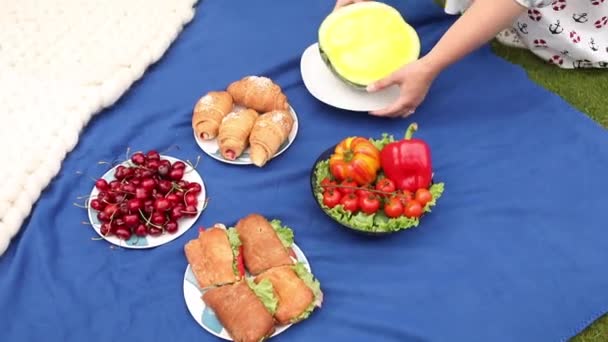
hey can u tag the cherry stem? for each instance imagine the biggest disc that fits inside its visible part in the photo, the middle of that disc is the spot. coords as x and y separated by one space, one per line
86 223
80 206
83 174
127 153
198 159
83 197
96 238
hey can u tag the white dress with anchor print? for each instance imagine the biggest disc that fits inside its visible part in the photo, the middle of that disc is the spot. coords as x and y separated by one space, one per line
567 33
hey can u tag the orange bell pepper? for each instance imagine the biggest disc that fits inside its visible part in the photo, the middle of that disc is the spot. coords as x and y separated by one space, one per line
356 159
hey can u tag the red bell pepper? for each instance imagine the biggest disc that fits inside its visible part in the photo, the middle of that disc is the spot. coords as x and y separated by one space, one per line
407 162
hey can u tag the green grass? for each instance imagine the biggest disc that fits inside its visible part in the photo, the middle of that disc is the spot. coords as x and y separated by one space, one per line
585 90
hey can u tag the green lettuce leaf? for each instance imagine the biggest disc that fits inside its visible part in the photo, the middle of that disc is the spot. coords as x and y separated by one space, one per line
285 233
383 141
265 292
314 286
378 222
235 243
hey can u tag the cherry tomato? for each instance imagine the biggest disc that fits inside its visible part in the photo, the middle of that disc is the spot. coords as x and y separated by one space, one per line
348 187
327 183
363 192
393 208
331 198
350 202
405 196
413 209
369 204
423 196
385 185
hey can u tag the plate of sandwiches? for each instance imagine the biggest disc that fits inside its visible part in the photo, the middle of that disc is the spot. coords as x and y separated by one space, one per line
249 282
250 122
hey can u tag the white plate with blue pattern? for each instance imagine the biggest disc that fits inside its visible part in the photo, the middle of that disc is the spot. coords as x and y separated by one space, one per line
136 242
205 317
211 147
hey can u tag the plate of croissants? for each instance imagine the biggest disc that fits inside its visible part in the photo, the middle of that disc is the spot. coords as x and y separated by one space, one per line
250 122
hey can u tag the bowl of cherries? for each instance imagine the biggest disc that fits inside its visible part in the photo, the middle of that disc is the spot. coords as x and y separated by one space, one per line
146 201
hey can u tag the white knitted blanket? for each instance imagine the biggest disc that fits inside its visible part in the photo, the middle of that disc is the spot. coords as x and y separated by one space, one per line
61 62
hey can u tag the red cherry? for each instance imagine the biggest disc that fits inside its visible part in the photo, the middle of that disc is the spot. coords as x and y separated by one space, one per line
96 204
131 220
105 229
123 208
162 204
103 217
190 199
128 172
119 172
171 227
152 164
118 222
115 185
178 165
164 186
141 193
154 231
136 181
134 204
148 184
110 209
123 233
173 198
128 188
119 198
158 218
153 155
102 184
194 188
141 230
183 184
176 174
176 212
190 211
138 158
146 174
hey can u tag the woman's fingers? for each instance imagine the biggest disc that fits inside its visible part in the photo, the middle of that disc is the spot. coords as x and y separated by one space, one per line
342 3
401 105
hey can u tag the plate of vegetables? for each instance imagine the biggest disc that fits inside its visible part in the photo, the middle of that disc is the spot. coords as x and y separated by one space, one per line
376 186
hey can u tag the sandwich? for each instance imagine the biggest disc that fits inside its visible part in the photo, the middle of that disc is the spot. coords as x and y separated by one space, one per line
215 257
265 245
245 309
297 291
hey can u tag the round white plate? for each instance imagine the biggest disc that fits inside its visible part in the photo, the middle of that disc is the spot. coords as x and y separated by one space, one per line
136 242
211 147
328 88
205 317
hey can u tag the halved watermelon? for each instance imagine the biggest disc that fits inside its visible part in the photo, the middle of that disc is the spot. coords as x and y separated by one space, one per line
367 41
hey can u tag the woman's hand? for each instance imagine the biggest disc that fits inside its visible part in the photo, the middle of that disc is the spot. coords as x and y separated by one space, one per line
342 3
414 80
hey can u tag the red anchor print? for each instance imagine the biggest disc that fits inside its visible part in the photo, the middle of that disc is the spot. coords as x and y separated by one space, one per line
559 5
597 2
556 59
540 43
575 37
601 22
535 14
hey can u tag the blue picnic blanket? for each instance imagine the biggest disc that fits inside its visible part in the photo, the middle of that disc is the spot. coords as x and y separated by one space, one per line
514 251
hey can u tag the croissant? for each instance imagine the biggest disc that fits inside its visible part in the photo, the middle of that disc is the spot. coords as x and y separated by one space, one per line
269 132
234 131
209 112
258 93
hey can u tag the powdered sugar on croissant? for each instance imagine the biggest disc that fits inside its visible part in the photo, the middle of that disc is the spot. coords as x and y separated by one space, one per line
258 93
269 132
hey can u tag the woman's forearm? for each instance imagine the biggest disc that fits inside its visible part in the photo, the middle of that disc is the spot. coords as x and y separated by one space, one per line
479 24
